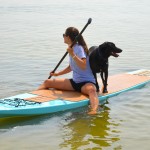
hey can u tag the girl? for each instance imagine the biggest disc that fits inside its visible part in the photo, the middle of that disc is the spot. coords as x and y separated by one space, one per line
83 80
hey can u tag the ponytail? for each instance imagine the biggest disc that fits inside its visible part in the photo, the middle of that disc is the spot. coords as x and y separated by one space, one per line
72 33
81 42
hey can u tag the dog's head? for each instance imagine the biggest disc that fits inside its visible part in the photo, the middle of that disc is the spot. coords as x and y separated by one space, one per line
109 49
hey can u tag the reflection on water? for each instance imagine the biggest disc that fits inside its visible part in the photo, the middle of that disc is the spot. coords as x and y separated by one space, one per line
9 123
89 132
114 128
77 129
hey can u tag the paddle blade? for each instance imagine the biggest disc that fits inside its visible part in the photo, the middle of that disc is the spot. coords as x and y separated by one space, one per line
89 20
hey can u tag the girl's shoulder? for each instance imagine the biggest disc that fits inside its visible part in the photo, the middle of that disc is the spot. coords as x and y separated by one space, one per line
79 51
78 47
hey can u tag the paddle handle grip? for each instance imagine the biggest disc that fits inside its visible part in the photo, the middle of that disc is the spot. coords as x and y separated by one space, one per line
76 38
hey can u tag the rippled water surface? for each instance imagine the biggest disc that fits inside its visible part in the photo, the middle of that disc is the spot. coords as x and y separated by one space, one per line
31 44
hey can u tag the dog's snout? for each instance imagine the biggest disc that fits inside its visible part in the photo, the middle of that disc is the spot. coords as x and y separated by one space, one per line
115 51
119 50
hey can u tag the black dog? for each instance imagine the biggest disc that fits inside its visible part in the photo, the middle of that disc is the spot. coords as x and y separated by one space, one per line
98 57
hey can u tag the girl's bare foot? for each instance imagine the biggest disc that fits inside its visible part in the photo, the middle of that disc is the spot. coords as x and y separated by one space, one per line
92 112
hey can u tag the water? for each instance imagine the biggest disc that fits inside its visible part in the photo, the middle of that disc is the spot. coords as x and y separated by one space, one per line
31 44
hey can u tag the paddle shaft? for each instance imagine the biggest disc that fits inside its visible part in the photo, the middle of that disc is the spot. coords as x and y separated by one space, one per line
89 21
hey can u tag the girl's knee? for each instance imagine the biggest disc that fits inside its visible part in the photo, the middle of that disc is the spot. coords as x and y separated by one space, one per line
89 89
92 90
46 83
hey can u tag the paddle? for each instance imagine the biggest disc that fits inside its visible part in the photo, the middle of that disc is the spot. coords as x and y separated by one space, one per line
89 21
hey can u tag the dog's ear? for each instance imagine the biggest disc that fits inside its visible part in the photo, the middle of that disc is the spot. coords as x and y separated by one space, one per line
102 45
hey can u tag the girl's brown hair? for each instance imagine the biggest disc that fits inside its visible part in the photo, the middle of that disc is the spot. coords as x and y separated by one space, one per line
72 32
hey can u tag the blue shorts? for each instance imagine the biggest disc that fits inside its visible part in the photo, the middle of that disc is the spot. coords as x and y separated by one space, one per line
78 86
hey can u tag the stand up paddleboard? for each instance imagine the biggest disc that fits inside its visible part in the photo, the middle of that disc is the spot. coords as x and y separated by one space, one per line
51 101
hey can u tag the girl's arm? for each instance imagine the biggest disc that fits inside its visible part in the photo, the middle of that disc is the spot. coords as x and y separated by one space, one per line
66 70
81 62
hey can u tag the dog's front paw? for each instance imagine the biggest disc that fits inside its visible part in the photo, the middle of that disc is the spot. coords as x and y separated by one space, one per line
104 90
